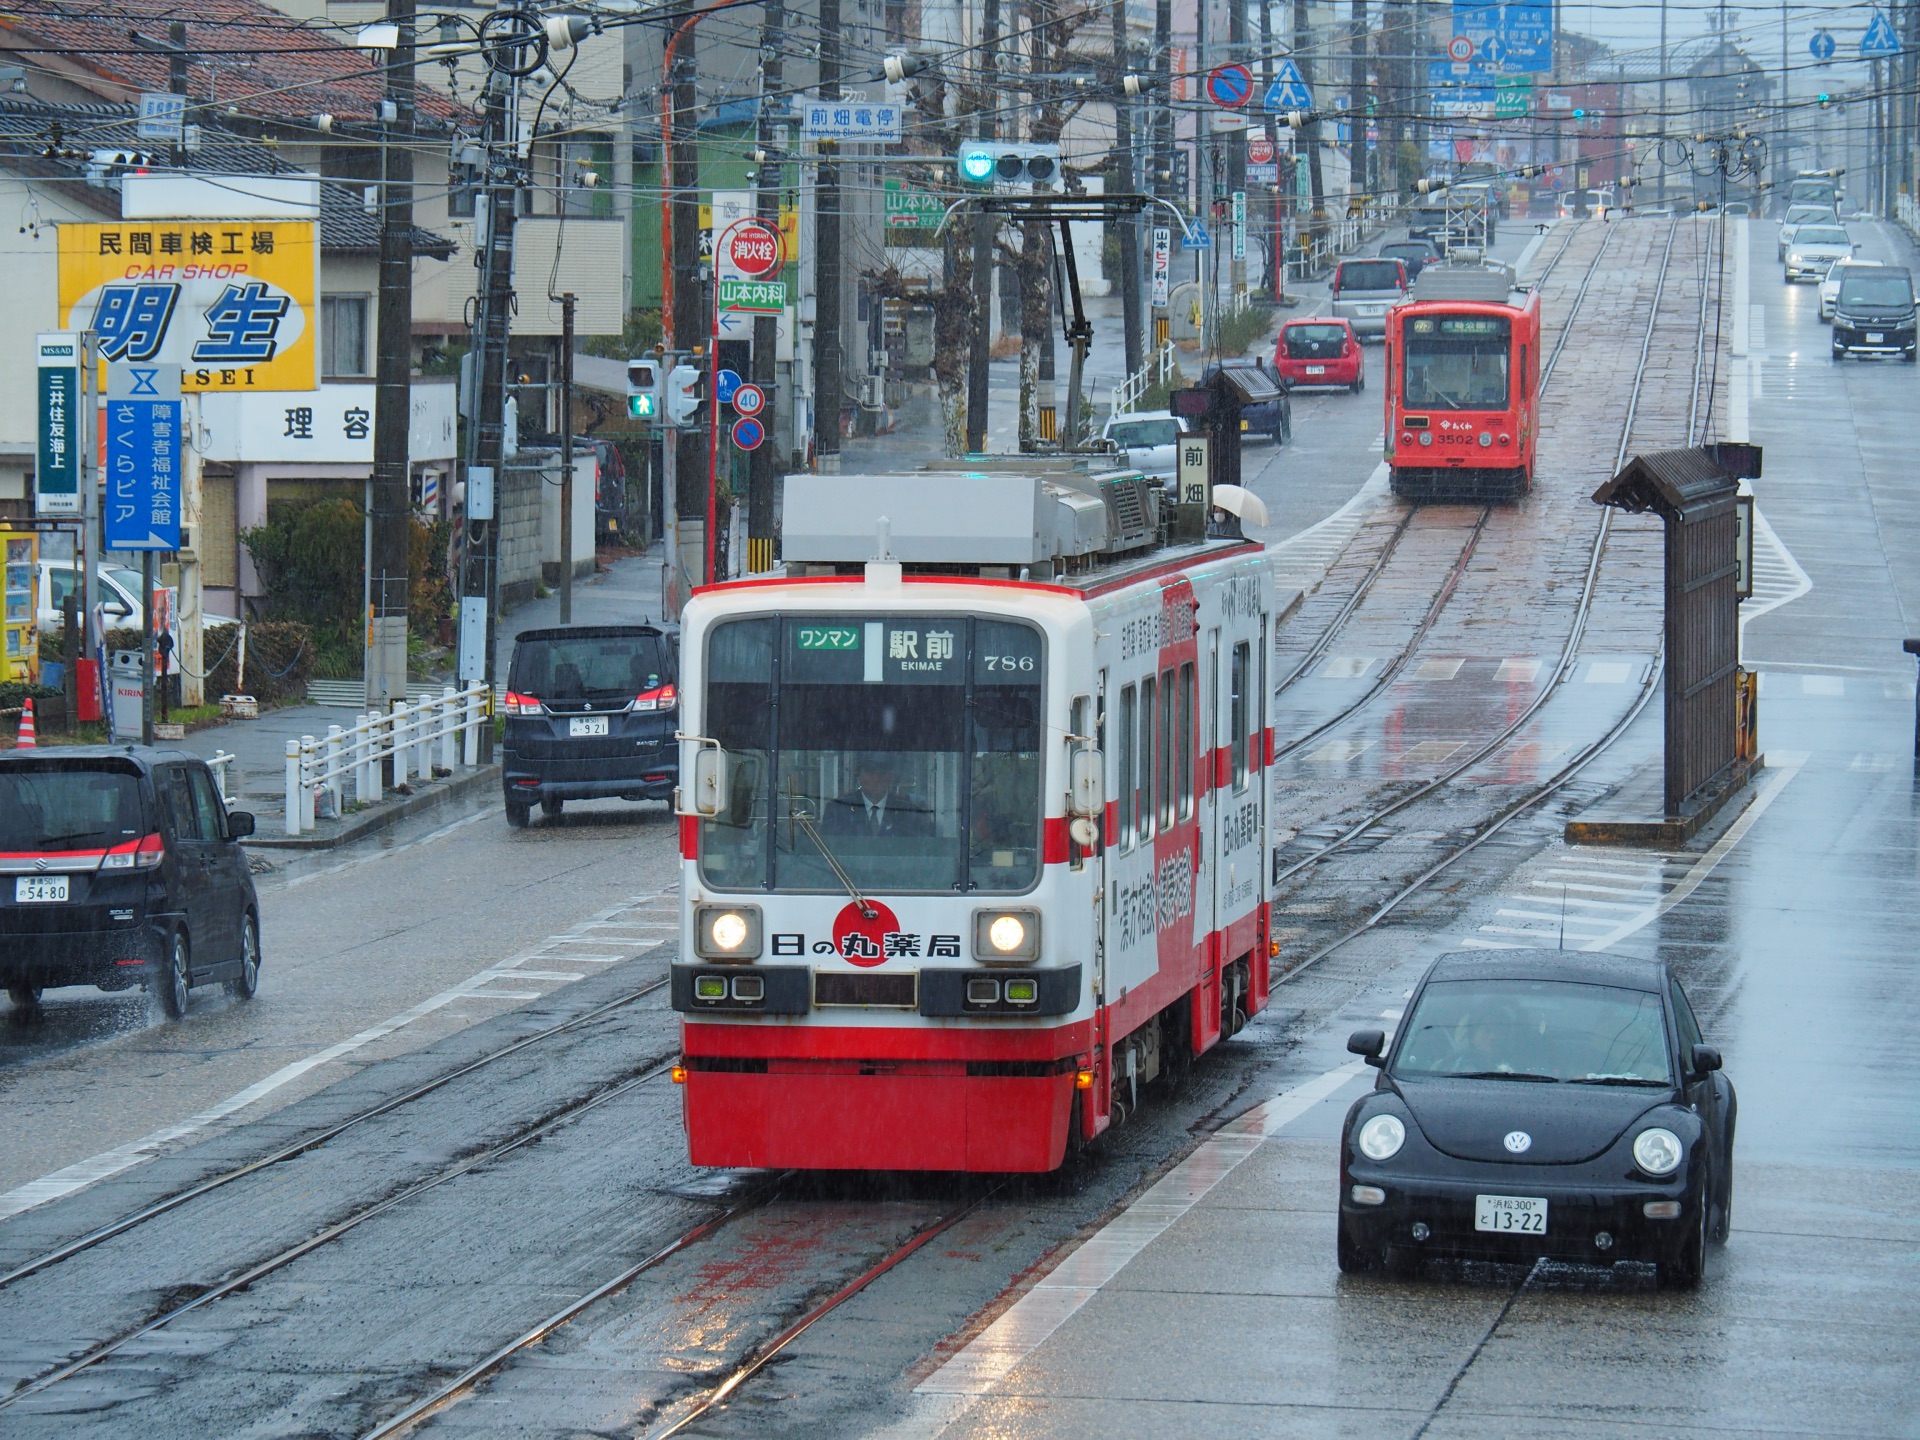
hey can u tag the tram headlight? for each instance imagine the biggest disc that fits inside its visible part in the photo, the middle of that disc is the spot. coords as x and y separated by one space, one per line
727 932
1486 439
1006 936
1426 437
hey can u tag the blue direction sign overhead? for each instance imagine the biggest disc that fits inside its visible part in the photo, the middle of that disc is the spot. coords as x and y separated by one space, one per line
1821 46
1514 38
142 480
1289 90
1879 42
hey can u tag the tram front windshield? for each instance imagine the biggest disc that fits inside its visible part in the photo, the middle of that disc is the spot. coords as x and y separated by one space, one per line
1456 362
903 752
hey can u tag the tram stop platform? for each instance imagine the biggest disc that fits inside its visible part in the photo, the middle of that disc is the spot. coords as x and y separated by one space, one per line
1635 813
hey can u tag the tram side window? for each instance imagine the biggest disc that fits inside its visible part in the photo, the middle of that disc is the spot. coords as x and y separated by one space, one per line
739 716
1239 709
1526 375
1079 717
1183 745
1126 767
1143 806
1169 757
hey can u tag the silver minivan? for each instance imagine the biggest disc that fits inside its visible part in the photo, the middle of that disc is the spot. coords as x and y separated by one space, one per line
1364 290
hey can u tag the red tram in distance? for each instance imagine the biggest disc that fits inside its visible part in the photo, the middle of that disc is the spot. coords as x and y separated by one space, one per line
1463 387
974 833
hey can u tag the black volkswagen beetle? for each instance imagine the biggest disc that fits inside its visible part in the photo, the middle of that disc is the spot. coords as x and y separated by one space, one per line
1540 1103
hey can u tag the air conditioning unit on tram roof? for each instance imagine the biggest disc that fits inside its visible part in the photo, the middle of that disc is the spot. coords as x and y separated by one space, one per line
962 519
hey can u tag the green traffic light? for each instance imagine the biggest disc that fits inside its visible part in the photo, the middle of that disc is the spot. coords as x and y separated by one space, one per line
642 406
1579 114
977 164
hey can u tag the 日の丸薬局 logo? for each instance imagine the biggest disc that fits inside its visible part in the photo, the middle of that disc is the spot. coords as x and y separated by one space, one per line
231 302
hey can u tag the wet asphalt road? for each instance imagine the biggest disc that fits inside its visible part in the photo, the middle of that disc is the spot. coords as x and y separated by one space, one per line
1793 941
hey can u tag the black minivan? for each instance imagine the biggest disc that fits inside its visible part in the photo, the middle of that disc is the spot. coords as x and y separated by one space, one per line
122 866
1874 313
590 714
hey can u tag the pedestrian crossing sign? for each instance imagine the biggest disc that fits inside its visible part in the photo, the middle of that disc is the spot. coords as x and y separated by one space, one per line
1197 238
1879 42
1289 90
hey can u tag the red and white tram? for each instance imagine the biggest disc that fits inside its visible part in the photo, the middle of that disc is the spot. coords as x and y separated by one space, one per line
975 835
1463 387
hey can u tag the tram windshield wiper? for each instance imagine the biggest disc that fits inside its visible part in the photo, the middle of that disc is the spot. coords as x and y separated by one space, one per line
805 822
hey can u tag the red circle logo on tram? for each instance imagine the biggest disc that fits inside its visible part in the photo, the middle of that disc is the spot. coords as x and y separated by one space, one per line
871 947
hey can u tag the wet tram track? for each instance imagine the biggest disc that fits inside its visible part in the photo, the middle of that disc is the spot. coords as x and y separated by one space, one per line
1337 874
1398 530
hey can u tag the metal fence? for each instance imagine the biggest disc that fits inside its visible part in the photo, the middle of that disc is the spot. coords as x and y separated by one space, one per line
423 739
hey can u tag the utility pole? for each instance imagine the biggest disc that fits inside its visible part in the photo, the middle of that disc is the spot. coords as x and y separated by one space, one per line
190 662
690 319
1236 145
391 514
1163 136
1126 171
1277 280
566 458
1357 181
761 462
829 385
1309 135
486 446
1662 193
981 354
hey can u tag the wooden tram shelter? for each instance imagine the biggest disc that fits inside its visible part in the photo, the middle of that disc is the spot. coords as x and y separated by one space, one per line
1695 492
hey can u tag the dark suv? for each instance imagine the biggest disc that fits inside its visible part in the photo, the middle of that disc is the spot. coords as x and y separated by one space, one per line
122 867
591 712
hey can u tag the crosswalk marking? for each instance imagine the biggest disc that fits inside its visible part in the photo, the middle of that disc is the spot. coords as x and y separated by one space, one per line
1521 672
1438 669
1827 685
1346 667
1609 672
1338 752
1431 752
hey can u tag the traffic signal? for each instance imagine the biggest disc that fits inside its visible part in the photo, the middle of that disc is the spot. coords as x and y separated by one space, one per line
643 389
1825 100
686 392
1007 162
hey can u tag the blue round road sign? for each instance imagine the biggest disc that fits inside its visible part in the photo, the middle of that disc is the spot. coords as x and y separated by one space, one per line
1230 85
729 382
748 433
1821 46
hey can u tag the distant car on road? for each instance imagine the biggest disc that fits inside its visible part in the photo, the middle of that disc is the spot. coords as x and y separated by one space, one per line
1540 1103
1273 418
591 712
1413 253
1149 439
1320 351
1364 290
1798 215
1814 249
120 866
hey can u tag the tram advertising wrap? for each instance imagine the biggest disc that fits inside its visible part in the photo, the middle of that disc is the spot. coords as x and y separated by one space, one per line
978 853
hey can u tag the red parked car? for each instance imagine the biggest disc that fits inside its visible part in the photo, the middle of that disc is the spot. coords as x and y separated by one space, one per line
1322 350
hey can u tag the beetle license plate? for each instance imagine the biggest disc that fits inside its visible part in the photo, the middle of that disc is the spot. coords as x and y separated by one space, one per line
587 725
40 890
1316 369
1510 1214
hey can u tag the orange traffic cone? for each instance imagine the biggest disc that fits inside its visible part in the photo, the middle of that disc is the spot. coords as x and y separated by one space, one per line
26 740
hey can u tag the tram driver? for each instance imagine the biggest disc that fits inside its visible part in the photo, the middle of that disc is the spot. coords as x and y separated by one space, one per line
876 805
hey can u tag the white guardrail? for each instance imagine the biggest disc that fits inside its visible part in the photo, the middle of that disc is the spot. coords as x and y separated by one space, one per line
221 764
422 738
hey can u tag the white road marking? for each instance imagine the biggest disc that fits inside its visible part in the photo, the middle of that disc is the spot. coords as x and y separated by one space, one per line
388 852
83 1173
1833 685
1609 672
1523 672
1345 667
1438 669
1777 576
992 1354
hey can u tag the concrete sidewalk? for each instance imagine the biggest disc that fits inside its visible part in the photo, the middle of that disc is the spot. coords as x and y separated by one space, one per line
627 591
